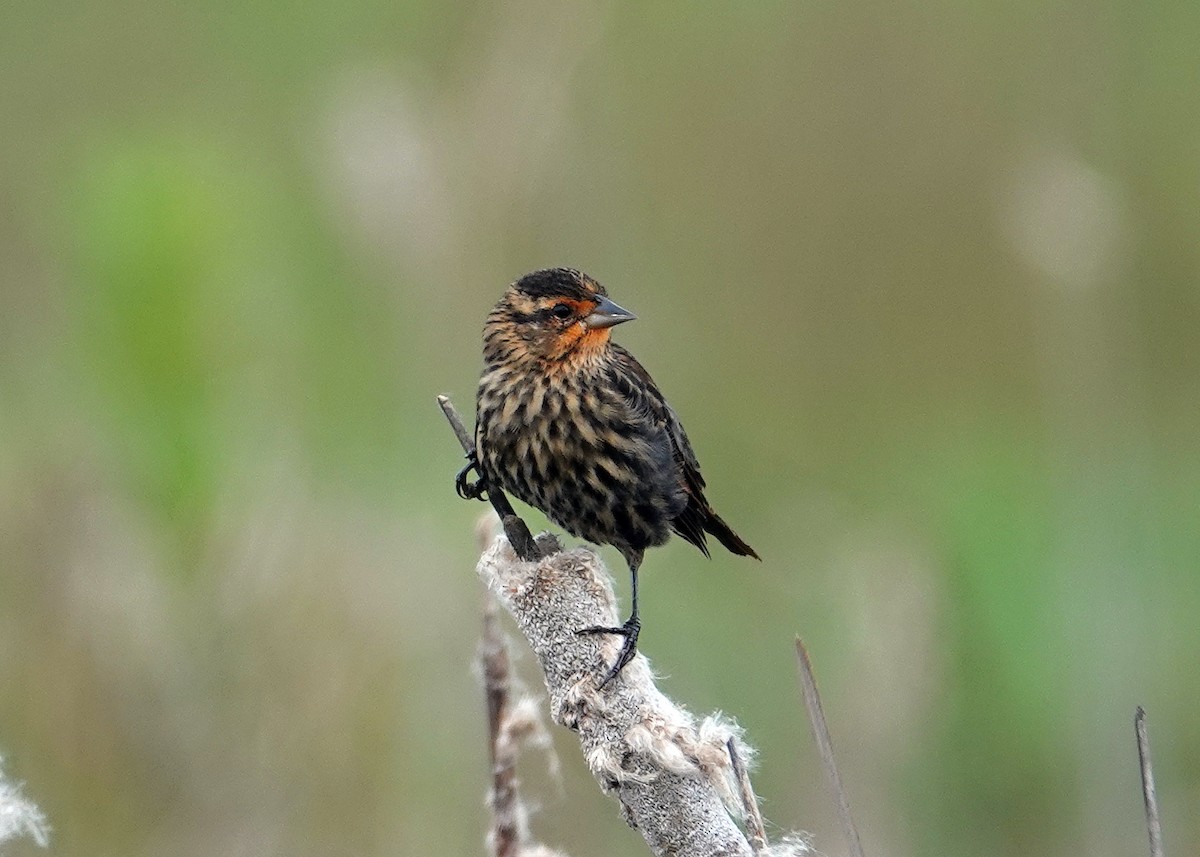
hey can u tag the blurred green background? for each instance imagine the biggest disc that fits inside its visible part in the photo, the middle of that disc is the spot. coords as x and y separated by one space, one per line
920 278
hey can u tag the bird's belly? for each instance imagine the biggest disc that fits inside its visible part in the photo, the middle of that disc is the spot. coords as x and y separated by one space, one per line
600 478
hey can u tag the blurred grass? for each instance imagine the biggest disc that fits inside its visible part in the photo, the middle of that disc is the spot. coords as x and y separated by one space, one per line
920 279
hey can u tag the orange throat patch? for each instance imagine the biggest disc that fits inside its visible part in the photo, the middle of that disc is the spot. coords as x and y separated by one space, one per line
580 343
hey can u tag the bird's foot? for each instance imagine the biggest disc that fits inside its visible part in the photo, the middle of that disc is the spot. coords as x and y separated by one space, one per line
630 632
470 490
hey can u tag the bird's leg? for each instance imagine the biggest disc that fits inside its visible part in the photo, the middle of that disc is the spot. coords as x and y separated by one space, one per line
629 631
470 490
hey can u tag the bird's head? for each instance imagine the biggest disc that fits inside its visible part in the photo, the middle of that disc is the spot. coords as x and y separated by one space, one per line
553 315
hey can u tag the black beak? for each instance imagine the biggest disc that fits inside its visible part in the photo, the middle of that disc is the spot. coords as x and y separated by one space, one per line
607 314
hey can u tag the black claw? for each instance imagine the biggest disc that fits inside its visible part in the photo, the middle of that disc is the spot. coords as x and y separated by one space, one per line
470 490
630 632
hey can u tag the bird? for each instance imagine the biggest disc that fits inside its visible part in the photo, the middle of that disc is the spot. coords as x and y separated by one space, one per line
570 422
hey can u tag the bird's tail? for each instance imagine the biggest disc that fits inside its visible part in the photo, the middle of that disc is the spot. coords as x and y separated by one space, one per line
726 536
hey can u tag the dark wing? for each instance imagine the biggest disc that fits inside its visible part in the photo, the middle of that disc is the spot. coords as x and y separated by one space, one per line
697 517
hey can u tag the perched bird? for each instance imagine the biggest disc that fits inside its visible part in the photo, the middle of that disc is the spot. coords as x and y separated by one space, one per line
572 424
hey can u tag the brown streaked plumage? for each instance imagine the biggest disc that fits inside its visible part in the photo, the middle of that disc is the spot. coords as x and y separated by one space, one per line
572 424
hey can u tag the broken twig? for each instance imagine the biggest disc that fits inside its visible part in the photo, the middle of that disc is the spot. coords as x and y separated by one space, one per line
816 716
504 838
1149 797
754 819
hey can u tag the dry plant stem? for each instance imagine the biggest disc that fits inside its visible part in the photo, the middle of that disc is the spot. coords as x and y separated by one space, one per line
516 530
456 423
673 778
505 834
1149 796
816 717
754 819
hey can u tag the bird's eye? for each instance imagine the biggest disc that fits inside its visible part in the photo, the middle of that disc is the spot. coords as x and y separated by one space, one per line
561 311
